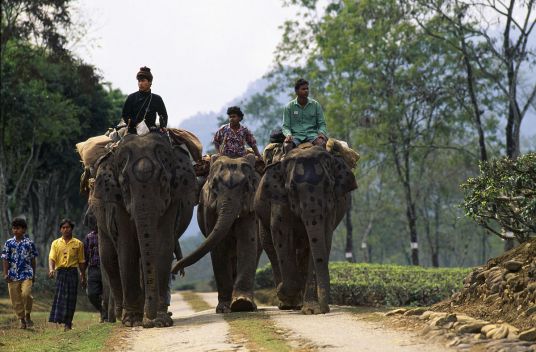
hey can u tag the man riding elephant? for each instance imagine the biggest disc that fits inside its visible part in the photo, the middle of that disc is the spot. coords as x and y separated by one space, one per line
144 104
303 119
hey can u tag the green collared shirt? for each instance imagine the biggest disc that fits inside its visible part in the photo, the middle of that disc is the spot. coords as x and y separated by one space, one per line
304 123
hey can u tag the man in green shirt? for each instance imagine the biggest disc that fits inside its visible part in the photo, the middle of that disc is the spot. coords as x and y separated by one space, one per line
303 119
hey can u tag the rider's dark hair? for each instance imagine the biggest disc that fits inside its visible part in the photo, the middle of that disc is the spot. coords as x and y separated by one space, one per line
235 110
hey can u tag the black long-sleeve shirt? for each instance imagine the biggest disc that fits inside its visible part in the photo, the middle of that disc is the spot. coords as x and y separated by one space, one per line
135 106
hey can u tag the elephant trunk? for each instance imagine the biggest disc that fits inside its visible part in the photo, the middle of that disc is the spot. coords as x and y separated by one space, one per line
320 255
227 214
147 233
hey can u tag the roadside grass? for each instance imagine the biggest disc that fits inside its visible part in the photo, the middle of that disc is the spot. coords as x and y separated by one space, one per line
88 334
195 301
258 331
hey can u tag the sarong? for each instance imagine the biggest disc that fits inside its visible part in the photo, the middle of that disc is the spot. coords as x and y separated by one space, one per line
64 304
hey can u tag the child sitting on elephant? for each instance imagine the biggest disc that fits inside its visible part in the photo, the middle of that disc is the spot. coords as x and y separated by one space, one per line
230 140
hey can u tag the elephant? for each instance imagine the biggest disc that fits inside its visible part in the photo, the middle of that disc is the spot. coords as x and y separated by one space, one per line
227 220
299 202
143 199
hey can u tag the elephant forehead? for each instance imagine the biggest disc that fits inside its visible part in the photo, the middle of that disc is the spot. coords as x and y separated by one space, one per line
143 169
308 171
231 179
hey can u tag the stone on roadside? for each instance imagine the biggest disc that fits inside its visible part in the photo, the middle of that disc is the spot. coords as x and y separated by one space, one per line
443 320
487 328
396 311
513 265
530 311
528 335
416 311
471 327
426 315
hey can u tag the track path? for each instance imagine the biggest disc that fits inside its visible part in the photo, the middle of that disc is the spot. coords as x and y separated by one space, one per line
338 331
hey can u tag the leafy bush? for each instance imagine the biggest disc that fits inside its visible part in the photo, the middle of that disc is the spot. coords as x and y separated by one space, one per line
504 194
380 284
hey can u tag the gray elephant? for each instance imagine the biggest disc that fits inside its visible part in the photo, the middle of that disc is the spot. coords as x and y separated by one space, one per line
227 220
299 202
143 200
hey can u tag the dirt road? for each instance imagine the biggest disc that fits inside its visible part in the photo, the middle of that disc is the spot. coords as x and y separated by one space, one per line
337 331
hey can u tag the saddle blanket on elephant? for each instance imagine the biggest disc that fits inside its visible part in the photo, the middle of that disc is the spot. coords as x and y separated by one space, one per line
92 149
64 304
192 143
274 152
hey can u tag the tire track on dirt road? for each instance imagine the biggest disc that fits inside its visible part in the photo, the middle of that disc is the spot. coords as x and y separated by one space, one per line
191 331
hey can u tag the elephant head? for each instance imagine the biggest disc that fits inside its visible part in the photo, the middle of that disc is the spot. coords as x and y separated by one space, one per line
155 181
314 185
227 194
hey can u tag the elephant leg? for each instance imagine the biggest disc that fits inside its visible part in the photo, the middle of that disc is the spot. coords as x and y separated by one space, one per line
129 264
222 257
108 305
318 272
246 264
289 290
310 299
110 268
266 243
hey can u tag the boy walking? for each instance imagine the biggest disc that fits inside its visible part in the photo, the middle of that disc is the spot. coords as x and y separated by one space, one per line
18 262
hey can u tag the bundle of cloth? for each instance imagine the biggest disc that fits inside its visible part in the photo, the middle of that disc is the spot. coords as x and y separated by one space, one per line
179 136
341 148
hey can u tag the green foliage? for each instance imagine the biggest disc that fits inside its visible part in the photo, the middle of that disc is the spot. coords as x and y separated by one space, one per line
49 103
264 108
504 194
43 21
391 285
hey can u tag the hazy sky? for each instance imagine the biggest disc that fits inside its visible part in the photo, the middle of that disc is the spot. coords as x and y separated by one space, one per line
202 53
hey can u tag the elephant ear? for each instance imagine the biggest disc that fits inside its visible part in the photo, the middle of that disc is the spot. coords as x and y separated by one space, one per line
164 156
183 183
344 177
211 187
274 183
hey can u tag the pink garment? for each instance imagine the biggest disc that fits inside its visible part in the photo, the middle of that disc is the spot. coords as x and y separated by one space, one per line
233 143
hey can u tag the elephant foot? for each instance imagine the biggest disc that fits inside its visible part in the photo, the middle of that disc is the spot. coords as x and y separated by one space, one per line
118 313
289 306
314 308
162 320
223 307
148 323
132 319
289 302
243 303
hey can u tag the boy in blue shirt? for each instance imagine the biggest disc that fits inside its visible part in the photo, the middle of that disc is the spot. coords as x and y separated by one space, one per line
18 262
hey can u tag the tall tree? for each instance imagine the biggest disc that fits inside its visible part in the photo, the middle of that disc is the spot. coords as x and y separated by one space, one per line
500 31
42 22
